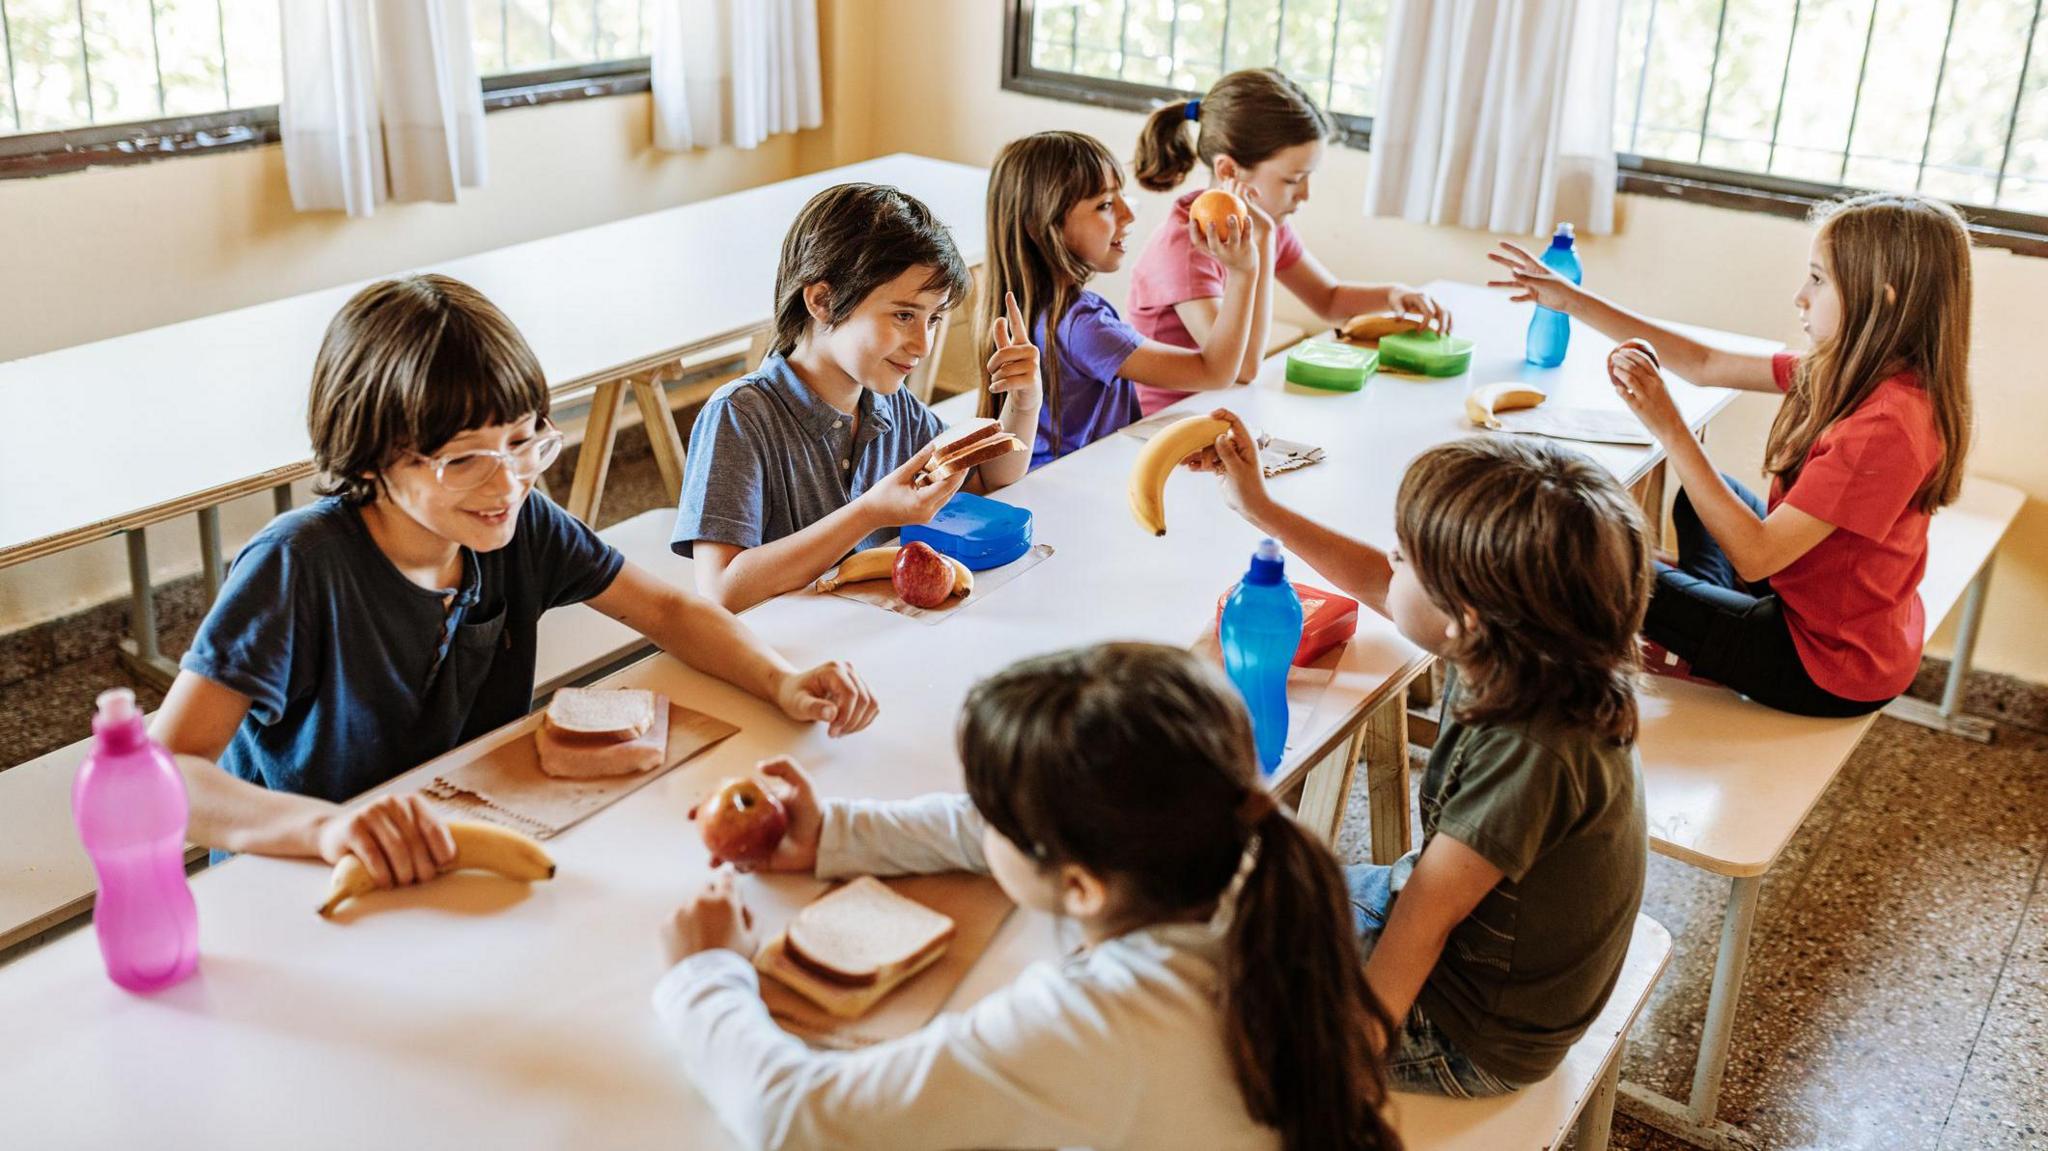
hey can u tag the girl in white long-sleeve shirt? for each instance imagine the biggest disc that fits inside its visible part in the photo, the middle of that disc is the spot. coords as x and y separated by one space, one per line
1220 1002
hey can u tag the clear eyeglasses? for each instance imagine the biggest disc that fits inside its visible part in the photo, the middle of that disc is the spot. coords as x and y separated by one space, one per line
467 470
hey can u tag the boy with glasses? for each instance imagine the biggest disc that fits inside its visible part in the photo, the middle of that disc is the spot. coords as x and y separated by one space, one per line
395 618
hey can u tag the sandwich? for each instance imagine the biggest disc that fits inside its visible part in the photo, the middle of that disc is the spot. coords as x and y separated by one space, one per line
1368 328
849 949
966 445
591 733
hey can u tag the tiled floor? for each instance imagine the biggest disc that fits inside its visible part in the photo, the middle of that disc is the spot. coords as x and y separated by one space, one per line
1897 993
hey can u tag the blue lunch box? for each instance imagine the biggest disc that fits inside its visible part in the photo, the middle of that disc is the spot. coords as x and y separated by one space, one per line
979 532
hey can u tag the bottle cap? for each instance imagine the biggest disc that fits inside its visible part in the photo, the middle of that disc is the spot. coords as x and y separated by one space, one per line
1267 566
1562 238
115 705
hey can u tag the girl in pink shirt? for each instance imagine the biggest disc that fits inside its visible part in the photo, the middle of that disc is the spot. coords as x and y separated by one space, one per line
1809 601
1259 132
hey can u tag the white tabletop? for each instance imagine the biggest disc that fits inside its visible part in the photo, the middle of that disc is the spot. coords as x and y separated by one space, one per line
149 425
499 1015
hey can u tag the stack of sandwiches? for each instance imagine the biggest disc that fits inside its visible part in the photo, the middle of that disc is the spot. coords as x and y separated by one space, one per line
591 733
967 445
853 946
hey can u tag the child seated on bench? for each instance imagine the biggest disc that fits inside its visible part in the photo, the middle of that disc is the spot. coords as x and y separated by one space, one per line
366 633
1809 601
1526 568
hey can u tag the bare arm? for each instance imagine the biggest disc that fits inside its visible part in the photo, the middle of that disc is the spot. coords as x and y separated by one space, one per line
1216 364
1448 882
1337 301
1691 359
737 578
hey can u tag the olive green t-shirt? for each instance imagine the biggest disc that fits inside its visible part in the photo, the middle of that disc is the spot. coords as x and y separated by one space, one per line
1559 811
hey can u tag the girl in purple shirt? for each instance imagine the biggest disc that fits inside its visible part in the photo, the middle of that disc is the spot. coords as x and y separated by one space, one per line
1056 217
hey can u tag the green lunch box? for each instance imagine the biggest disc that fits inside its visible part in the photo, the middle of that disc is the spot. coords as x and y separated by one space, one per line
1425 353
1331 366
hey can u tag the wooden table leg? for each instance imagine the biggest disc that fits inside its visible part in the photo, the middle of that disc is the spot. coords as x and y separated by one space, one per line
596 458
1385 751
1327 786
661 432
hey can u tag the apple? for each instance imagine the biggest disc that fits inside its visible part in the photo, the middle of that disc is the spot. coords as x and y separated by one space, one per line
1212 207
922 576
742 823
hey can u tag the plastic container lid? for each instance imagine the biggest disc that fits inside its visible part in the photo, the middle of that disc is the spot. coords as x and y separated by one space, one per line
979 532
1425 353
1331 366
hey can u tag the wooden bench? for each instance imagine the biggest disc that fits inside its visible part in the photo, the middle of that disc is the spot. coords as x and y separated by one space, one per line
1579 1095
1730 782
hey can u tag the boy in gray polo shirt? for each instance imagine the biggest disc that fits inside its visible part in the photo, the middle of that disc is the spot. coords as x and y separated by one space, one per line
815 453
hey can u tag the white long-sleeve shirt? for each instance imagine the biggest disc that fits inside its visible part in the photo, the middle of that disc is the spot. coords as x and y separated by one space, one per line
1116 1047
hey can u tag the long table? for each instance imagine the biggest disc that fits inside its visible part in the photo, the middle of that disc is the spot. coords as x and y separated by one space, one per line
478 1011
112 436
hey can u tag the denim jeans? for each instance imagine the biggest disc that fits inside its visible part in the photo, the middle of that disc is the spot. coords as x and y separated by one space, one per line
1423 1059
1733 632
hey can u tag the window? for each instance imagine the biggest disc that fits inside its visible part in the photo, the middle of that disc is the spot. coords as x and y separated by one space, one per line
1132 53
1762 104
116 81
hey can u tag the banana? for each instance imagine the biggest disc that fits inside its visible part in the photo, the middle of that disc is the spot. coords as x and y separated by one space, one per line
1508 396
880 563
1156 461
478 846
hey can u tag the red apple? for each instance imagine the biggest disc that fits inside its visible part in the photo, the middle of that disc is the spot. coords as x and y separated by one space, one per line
922 577
741 822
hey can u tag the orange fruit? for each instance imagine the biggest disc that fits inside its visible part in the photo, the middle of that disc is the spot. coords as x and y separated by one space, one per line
1214 206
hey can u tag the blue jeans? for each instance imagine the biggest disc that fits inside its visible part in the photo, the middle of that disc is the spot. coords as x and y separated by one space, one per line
1423 1059
1733 632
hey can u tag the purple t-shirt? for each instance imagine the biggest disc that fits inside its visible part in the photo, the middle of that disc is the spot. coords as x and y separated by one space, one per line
1094 400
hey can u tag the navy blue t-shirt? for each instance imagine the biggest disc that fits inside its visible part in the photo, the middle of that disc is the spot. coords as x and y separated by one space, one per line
356 674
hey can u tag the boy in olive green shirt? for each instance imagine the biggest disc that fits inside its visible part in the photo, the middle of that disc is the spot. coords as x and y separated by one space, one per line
1527 569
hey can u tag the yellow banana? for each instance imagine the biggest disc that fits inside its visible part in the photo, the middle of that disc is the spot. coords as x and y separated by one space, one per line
880 563
1487 399
478 846
1156 461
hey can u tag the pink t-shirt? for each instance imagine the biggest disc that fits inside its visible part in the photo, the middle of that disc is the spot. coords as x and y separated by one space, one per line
1853 602
1170 271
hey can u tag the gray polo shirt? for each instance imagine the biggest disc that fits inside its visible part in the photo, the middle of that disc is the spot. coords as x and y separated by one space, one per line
768 458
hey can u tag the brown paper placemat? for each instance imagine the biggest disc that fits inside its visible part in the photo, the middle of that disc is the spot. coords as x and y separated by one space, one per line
978 908
507 787
882 594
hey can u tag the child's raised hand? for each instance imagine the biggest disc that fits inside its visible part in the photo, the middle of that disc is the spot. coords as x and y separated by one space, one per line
1233 246
898 499
713 918
1013 368
1530 280
1639 383
829 693
1403 300
1234 457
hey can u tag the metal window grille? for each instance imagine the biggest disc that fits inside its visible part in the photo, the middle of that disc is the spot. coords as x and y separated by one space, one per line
172 66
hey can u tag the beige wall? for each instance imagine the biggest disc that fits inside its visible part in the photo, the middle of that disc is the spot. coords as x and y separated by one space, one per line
1725 269
98 253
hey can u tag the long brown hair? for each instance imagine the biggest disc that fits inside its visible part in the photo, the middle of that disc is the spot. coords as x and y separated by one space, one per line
1918 250
1034 183
407 365
854 238
1136 761
1247 116
1544 561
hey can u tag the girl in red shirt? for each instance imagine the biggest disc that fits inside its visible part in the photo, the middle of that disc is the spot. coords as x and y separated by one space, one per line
1808 601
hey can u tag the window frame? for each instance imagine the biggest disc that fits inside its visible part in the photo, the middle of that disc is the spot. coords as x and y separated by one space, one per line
31 154
2025 233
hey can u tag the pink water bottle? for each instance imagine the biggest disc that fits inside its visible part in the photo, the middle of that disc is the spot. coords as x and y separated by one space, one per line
129 801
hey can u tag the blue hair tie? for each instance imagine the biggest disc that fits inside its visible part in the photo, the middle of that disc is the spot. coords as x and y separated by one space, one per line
1194 109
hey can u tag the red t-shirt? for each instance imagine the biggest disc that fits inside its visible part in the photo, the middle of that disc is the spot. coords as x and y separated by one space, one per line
1170 271
1853 602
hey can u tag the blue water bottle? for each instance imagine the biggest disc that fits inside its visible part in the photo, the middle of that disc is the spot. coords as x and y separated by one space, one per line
1551 332
1261 630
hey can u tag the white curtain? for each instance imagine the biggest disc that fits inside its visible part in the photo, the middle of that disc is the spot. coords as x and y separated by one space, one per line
1497 114
381 102
734 71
